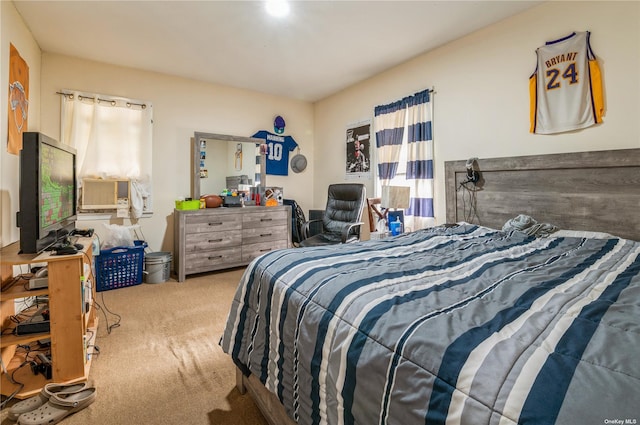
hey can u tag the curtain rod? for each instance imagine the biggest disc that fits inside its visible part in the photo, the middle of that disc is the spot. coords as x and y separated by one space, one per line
70 96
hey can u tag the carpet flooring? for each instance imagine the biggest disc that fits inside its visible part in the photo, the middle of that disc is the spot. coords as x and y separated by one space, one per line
162 365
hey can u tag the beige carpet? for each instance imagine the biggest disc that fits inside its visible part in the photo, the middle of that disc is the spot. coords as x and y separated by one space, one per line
163 364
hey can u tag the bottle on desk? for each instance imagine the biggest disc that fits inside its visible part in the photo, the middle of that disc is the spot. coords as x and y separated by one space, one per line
396 227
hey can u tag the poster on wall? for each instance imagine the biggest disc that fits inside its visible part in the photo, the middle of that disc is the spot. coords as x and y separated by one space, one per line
18 100
358 150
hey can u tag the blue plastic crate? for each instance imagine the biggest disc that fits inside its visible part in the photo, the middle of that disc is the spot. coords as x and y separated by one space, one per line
120 266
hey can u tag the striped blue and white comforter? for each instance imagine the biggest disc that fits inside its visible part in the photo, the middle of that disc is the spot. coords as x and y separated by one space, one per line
467 325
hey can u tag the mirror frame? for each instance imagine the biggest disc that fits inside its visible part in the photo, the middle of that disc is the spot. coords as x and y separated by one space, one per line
195 157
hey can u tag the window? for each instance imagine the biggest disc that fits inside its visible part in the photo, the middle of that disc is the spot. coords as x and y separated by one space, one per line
404 151
112 137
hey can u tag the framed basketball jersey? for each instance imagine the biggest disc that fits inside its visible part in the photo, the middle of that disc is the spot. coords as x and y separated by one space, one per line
566 88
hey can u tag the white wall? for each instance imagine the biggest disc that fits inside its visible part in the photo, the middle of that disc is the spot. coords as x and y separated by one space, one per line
14 31
180 107
481 104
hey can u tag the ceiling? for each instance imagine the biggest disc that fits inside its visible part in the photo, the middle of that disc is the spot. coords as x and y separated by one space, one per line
320 48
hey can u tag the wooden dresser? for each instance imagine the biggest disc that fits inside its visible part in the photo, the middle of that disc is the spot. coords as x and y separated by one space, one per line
219 238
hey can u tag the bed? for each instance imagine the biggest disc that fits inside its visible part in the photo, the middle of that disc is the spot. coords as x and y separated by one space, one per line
464 324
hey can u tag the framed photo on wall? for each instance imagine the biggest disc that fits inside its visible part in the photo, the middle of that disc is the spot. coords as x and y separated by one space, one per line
358 150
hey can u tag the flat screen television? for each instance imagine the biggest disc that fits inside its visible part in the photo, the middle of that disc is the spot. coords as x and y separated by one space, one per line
48 192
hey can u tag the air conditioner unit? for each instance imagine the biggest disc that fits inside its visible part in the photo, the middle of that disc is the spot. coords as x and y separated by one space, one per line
102 194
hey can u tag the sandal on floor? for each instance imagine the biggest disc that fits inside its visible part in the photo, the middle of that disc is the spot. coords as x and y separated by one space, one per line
59 407
42 397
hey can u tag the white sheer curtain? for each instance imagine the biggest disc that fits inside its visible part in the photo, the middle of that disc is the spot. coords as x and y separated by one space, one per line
113 139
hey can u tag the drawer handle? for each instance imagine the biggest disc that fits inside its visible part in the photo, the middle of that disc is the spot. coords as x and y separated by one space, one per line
266 219
215 257
265 234
215 240
216 224
265 250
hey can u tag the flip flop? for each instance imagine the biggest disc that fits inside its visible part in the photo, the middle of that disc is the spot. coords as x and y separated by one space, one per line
42 397
59 407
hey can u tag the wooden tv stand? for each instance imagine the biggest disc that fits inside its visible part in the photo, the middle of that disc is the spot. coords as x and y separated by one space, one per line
73 328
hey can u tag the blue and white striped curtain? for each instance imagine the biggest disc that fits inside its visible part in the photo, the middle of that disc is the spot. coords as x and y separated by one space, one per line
389 126
420 160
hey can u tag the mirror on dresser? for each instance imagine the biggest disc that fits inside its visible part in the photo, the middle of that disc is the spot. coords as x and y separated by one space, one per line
218 159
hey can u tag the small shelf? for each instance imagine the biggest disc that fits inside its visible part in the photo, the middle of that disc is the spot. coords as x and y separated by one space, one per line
23 375
8 339
18 291
70 325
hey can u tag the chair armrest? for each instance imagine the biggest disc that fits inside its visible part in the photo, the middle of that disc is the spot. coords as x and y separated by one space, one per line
346 230
305 228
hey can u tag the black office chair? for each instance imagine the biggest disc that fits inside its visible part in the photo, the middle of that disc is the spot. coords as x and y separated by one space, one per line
341 220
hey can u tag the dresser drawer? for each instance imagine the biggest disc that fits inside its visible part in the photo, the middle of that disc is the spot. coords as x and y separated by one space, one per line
212 240
213 223
265 219
251 251
264 234
203 261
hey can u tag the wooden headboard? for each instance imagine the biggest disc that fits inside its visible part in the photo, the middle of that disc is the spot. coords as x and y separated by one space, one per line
596 191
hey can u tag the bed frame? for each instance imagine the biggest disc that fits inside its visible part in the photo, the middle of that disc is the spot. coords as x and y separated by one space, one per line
597 191
271 408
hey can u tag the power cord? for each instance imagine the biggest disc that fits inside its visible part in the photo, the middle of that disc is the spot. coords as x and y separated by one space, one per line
10 283
14 382
97 305
470 189
27 362
95 350
27 313
106 310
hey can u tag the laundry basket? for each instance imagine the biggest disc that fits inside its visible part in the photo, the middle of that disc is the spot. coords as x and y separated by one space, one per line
120 266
